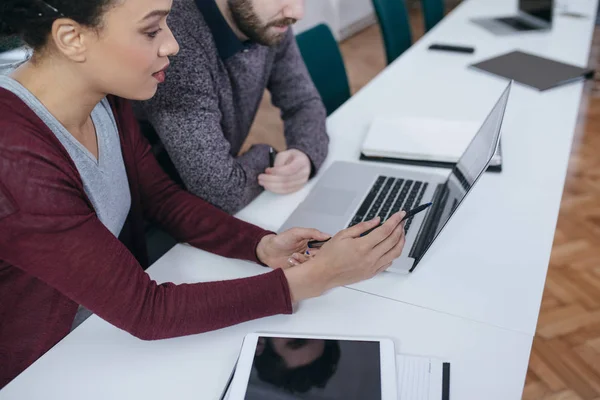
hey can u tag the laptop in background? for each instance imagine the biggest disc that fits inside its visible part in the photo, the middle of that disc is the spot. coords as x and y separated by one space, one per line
349 193
533 15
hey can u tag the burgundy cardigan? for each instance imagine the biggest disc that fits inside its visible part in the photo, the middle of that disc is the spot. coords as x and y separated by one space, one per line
56 254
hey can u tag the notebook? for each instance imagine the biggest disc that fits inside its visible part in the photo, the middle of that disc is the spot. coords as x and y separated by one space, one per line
534 71
419 378
421 141
422 378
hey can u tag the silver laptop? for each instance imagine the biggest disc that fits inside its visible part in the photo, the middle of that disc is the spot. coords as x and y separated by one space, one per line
533 15
349 193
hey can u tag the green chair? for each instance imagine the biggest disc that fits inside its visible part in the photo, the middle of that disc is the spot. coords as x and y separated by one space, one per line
433 12
395 27
325 65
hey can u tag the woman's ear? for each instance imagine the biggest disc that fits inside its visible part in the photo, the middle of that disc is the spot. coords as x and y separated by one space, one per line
71 38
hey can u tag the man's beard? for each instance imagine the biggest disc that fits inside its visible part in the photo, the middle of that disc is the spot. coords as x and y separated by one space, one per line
250 25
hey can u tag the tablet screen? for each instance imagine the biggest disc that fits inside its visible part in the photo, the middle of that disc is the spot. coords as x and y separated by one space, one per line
294 368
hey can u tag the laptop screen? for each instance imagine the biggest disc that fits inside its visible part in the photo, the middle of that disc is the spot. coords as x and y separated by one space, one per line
469 168
541 9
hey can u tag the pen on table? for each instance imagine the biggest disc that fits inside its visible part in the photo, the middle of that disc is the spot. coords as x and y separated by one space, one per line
224 394
315 244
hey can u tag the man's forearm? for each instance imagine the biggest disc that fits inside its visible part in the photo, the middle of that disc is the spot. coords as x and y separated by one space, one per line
305 130
229 185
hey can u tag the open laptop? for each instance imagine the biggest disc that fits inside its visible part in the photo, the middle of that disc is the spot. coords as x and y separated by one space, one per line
349 193
533 15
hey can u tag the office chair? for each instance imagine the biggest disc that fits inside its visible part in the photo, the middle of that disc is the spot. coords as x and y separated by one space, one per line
325 65
433 12
395 27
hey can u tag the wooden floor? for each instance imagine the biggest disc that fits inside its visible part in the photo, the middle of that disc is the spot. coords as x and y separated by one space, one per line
565 359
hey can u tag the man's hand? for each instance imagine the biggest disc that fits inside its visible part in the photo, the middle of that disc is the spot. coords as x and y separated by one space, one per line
288 248
290 173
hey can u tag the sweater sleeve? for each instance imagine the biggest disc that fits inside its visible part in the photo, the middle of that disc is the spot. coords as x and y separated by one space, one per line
49 230
186 217
302 109
186 116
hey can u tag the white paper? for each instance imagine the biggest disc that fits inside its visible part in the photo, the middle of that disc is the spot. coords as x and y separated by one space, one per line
419 378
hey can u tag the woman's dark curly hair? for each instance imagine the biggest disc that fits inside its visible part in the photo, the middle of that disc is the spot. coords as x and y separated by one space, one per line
32 19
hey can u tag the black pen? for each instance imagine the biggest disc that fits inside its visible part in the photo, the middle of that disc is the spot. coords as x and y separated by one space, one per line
416 210
408 215
315 244
228 384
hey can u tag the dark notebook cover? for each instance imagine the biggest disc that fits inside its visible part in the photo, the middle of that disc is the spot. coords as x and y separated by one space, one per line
495 165
419 163
537 72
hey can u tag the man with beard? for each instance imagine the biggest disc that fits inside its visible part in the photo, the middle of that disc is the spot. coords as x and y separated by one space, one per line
231 51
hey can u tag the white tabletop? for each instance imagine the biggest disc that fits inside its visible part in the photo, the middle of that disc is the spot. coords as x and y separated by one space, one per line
491 261
474 299
99 361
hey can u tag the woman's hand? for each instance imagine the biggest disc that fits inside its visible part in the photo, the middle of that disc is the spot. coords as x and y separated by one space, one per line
349 258
288 248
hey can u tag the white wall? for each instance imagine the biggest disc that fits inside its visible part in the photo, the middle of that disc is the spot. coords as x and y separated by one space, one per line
344 17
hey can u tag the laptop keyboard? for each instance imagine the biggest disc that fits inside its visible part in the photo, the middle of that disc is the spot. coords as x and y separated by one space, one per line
517 24
388 196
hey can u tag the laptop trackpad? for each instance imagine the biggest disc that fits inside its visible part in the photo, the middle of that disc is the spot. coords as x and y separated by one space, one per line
329 201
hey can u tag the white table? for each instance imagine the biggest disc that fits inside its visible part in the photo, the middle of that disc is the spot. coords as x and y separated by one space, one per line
474 299
98 361
491 261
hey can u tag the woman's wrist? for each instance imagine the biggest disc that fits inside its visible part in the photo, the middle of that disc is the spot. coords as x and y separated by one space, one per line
306 281
262 253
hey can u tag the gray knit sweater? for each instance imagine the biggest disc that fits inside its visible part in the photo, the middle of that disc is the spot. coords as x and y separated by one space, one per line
204 110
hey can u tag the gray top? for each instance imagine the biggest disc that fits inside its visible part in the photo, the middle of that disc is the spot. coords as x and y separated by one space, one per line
204 110
104 180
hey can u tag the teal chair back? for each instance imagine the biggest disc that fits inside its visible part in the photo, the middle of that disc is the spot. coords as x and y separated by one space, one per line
395 27
433 12
325 65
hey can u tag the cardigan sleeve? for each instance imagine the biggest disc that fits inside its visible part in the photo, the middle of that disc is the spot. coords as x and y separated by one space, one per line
49 230
186 217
